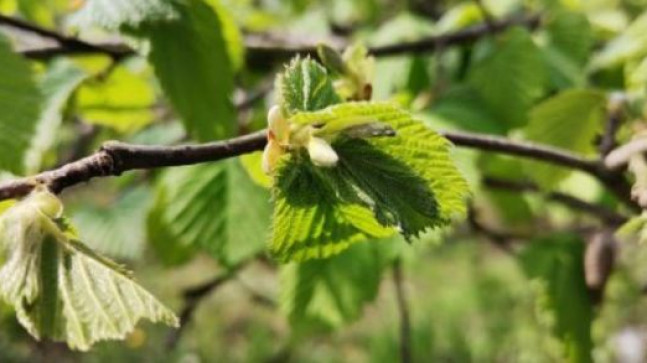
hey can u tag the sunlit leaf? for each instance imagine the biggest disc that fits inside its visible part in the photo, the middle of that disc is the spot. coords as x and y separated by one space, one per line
304 86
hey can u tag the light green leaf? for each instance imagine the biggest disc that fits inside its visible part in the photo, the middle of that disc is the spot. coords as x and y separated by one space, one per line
231 34
123 100
216 208
20 102
58 84
115 229
406 181
519 59
59 287
569 120
334 291
557 263
304 85
631 44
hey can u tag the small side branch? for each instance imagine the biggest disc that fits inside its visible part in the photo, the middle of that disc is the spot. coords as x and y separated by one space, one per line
403 312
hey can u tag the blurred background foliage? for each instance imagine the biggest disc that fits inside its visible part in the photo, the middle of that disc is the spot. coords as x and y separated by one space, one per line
517 294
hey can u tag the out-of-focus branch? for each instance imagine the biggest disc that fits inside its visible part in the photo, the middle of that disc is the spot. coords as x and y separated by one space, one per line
262 50
403 312
608 216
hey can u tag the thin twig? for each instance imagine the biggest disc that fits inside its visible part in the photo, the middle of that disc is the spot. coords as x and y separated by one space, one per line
261 52
192 298
606 215
403 311
501 240
614 121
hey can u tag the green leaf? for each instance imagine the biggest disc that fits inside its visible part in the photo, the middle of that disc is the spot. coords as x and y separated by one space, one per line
570 41
304 85
58 84
510 96
59 287
557 263
216 208
123 100
191 61
20 102
334 291
406 181
115 229
569 120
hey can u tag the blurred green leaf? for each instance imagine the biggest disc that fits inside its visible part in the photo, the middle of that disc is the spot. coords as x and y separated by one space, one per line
216 208
557 262
511 77
569 120
570 41
20 102
116 229
124 100
334 291
462 107
59 287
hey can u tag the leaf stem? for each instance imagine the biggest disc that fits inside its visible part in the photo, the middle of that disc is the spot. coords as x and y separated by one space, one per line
403 312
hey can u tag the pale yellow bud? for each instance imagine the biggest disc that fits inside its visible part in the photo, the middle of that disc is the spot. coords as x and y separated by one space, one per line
321 153
278 125
271 156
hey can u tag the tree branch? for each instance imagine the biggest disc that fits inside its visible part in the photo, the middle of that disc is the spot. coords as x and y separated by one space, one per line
261 51
115 158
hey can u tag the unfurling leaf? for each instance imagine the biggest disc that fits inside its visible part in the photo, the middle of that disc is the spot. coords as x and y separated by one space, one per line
60 288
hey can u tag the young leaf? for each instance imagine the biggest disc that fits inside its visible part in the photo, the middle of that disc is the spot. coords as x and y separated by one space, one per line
511 96
216 208
557 263
20 102
405 180
331 292
569 120
304 85
59 287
